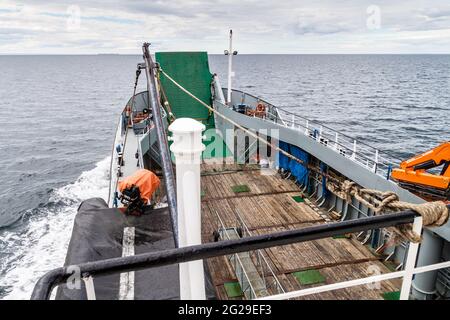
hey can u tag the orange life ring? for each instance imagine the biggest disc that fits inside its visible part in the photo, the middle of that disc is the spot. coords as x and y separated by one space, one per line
260 107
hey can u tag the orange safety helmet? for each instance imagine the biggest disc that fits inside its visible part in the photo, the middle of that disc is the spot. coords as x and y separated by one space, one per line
146 180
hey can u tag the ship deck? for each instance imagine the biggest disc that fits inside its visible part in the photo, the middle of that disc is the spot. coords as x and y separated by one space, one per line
268 206
130 162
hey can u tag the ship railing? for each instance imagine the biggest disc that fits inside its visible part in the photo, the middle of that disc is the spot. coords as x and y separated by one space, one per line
114 174
89 270
361 153
140 155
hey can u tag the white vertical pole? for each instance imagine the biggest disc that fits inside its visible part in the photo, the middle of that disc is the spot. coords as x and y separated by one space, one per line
218 90
410 261
187 147
307 128
354 150
336 144
293 121
90 289
375 165
230 67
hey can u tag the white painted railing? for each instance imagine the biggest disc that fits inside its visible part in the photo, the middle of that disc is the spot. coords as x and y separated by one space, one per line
361 153
114 164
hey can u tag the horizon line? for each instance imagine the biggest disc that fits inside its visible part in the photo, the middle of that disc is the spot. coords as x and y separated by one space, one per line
241 54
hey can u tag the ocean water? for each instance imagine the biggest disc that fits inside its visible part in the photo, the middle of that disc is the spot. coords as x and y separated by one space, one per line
58 115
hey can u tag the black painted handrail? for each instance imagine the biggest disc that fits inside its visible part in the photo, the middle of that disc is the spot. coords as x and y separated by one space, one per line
58 276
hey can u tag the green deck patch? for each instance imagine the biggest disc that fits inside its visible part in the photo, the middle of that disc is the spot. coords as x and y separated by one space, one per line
202 193
298 199
233 289
342 236
394 295
240 188
309 277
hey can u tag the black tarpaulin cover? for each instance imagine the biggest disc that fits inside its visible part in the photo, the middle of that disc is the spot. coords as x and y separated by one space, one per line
98 235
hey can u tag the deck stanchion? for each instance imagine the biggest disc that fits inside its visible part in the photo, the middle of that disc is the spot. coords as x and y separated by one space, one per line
354 150
90 289
411 261
336 143
375 165
187 147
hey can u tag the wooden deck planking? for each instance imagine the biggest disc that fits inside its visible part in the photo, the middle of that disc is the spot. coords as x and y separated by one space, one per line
269 207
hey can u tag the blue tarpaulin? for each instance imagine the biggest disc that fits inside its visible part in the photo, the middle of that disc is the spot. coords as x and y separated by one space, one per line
299 171
283 161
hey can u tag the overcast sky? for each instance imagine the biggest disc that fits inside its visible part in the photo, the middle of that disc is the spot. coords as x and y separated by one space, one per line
260 26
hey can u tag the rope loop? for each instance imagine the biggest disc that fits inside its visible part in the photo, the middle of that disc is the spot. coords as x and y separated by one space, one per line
434 214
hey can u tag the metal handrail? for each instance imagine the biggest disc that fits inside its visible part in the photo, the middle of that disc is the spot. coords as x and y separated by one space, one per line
45 285
374 160
123 149
140 155
333 130
118 134
283 109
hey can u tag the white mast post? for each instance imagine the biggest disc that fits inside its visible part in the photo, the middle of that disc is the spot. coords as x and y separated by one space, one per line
187 147
230 54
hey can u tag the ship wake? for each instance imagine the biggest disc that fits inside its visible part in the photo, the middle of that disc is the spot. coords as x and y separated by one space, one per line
29 251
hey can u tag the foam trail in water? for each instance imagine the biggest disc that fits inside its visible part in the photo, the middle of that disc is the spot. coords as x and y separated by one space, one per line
43 244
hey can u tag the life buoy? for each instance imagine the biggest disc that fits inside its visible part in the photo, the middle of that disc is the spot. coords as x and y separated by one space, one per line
260 110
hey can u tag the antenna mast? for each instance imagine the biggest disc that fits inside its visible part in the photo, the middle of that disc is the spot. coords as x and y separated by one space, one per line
230 53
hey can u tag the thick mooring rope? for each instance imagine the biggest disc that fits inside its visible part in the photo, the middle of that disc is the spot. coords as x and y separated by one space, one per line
433 213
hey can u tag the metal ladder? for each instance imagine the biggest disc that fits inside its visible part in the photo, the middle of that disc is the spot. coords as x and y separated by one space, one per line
252 269
252 283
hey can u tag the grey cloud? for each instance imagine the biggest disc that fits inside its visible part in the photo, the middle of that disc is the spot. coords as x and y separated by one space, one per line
199 23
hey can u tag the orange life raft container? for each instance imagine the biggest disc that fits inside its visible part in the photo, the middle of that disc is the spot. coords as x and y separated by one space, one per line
146 180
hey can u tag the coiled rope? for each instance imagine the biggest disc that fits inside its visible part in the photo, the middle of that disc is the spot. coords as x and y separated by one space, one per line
433 213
